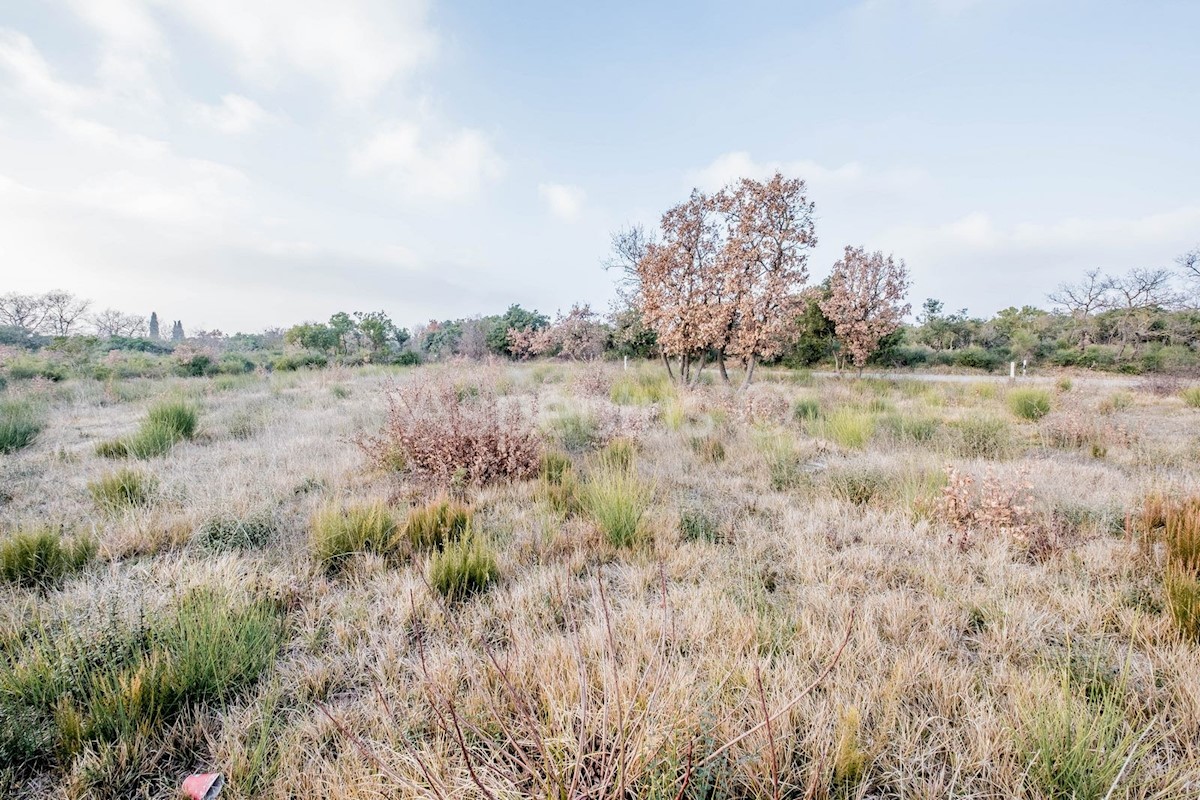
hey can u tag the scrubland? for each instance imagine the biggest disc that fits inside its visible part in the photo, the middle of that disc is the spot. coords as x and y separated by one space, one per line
555 580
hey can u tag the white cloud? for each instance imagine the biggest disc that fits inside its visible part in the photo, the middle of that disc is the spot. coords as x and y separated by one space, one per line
451 167
357 46
31 76
564 201
234 115
851 176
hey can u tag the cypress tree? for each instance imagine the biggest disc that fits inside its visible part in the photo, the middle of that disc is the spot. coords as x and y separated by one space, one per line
177 332
154 325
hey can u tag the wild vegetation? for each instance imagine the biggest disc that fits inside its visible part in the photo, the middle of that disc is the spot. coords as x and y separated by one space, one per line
569 579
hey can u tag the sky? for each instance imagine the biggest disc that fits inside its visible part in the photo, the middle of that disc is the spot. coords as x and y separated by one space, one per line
247 164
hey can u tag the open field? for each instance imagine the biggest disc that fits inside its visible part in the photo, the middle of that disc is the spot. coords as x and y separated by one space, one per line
231 574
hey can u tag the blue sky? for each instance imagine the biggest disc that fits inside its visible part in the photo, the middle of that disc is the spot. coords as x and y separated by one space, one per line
261 162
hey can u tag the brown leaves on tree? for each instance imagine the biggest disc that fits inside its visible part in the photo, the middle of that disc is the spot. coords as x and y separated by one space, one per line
865 302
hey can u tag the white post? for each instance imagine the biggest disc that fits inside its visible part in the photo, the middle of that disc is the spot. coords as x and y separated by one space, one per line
627 363
1012 370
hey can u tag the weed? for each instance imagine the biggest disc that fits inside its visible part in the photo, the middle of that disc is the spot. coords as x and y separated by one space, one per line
41 557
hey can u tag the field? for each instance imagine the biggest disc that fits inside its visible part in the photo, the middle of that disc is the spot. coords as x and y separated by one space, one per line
817 587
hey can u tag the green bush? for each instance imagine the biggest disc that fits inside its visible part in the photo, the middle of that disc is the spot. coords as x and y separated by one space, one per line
462 568
27 367
339 533
1191 396
124 488
617 500
41 557
20 423
63 692
295 361
221 534
1029 404
435 525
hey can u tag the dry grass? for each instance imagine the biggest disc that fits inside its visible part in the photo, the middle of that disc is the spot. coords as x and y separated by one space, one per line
619 622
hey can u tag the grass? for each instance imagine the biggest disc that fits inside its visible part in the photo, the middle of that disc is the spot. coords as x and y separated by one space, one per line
463 568
806 409
338 533
576 431
435 525
617 501
982 436
232 533
558 484
1029 404
121 489
20 423
63 691
41 557
642 389
165 425
1191 396
847 427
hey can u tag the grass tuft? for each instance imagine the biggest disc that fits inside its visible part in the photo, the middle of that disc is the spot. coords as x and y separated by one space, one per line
1029 404
338 533
463 568
42 557
1191 396
617 500
20 423
847 427
435 525
124 488
228 533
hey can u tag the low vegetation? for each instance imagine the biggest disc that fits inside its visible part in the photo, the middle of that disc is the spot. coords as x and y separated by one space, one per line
165 425
41 557
1029 404
20 423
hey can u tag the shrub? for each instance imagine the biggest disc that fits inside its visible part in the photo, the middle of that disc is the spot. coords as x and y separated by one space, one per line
124 488
617 500
339 533
847 427
978 358
409 358
463 568
444 440
996 508
1029 404
806 409
41 557
61 691
20 424
25 368
295 361
225 533
982 437
1191 396
435 525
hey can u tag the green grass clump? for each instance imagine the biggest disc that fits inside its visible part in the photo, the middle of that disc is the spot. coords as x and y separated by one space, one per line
179 417
165 425
20 424
124 488
806 409
697 525
910 428
435 525
848 428
710 448
617 500
982 437
576 431
42 557
1064 384
338 533
641 389
66 694
462 568
1191 396
1076 746
1029 404
558 485
228 533
619 453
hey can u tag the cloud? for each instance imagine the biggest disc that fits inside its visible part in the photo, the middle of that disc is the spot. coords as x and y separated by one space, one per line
450 167
356 46
851 176
564 201
234 115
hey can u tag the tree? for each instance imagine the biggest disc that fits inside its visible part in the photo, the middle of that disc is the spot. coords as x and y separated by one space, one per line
110 322
1189 270
1138 295
578 335
377 328
764 265
63 311
344 329
1083 301
629 247
312 336
24 311
154 326
515 317
865 302
177 332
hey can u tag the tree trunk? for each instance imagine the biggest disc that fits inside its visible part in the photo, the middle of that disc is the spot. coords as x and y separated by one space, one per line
750 364
696 378
667 364
721 366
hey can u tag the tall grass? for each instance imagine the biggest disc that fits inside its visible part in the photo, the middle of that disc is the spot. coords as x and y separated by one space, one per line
435 525
124 488
641 389
20 423
338 533
1029 404
164 426
1191 396
982 437
62 690
1176 524
847 427
618 501
41 557
463 568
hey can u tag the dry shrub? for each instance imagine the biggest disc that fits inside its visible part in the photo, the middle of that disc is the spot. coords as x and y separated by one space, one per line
1075 429
448 438
994 507
1174 523
1160 385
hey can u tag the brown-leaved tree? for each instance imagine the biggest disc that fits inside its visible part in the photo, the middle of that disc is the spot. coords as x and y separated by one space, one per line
865 302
